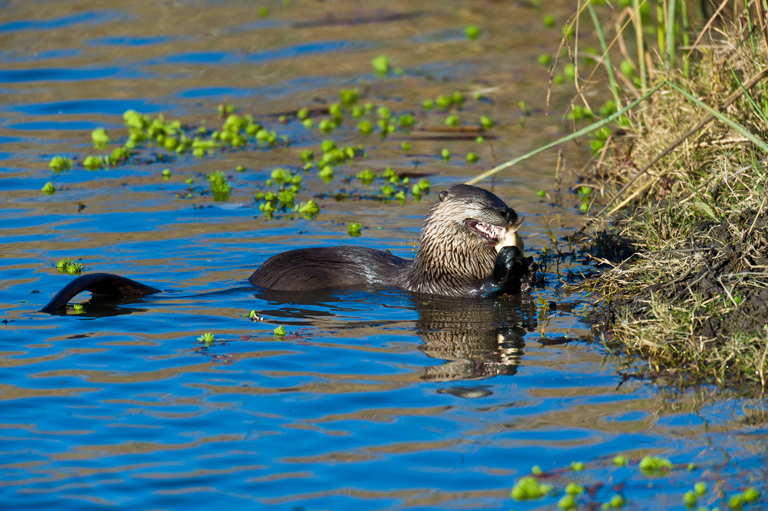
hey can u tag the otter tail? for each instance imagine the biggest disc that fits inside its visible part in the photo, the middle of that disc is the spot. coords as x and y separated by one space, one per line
98 283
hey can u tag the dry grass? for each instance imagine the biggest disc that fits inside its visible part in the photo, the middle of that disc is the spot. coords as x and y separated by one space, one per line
693 298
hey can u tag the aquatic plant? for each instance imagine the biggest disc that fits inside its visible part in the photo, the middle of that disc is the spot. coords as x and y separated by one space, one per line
60 163
381 64
207 339
366 176
654 464
529 488
472 32
48 188
219 186
354 229
309 209
279 332
100 138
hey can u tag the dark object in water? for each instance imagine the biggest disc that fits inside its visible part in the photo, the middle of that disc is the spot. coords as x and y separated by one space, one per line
462 253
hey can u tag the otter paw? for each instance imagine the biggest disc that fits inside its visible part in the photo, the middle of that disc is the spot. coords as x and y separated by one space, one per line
512 272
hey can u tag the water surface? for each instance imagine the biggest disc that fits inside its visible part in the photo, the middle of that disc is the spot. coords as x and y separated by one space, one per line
373 400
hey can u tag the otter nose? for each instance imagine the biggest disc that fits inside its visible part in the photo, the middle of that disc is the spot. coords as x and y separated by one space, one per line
509 214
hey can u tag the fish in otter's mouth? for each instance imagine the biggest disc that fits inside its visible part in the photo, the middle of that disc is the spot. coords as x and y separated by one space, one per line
496 235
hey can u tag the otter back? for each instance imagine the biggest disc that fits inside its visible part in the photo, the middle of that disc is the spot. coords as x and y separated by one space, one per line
309 269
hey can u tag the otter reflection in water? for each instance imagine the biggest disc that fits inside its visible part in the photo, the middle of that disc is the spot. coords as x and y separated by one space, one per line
468 248
476 338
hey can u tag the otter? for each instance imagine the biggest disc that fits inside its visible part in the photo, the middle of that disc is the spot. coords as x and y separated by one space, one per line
468 248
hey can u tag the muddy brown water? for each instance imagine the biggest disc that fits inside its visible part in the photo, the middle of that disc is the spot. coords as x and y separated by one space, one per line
373 400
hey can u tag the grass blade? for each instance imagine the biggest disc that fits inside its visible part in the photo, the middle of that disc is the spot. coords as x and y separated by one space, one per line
606 56
592 127
741 129
640 44
758 110
671 4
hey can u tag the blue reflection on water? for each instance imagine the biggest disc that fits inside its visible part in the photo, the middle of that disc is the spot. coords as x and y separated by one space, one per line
49 125
129 41
61 53
222 57
87 17
55 74
90 106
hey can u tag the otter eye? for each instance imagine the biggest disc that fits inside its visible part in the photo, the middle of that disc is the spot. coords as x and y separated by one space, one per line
443 195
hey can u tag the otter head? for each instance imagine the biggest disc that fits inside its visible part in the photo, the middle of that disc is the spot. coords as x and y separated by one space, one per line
462 231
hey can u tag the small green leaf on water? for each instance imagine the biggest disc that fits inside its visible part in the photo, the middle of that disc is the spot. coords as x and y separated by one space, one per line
308 123
736 502
617 501
79 308
472 158
365 127
574 489
545 59
620 460
751 495
577 466
49 189
528 488
479 140
569 71
239 168
309 209
381 64
263 11
704 207
428 104
567 503
691 467
486 122
452 120
446 154
536 470
689 499
279 332
541 193
100 138
59 163
207 339
166 173
326 174
354 229
700 488
558 79
549 21
405 146
472 32
366 176
650 464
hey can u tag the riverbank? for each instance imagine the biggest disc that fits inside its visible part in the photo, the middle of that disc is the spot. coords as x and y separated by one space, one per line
686 281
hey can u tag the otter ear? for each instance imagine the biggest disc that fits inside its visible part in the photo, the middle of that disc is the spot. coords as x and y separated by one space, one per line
443 195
